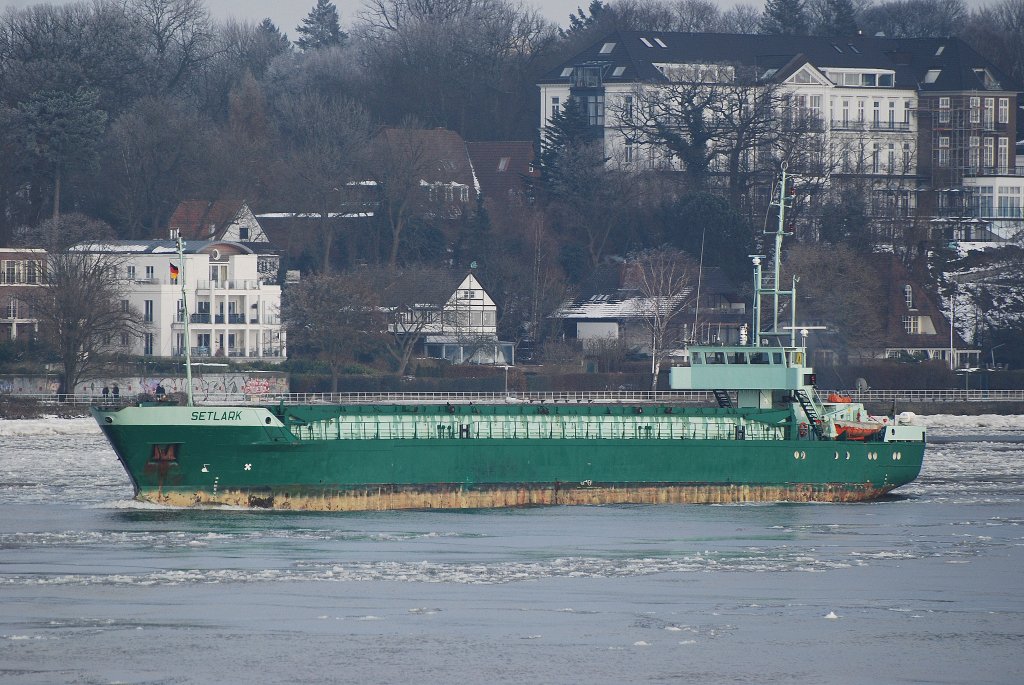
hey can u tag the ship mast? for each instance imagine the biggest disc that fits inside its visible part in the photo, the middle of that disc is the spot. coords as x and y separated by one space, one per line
769 287
184 314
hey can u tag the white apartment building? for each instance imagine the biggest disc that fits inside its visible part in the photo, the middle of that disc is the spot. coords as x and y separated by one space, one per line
912 120
232 312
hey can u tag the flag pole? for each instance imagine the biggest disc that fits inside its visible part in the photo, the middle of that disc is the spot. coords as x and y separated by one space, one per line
184 314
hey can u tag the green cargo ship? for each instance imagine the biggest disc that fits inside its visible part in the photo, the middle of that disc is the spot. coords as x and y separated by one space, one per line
770 438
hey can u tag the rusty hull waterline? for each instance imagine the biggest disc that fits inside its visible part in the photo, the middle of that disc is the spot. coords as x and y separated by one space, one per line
389 497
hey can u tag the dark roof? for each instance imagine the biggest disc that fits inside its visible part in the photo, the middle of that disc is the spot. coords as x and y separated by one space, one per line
417 287
444 154
897 277
500 166
203 219
636 52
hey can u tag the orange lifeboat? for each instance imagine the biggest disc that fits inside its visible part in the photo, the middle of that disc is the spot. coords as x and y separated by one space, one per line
856 430
836 398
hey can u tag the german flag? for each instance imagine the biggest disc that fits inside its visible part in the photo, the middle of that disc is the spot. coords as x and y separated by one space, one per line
174 271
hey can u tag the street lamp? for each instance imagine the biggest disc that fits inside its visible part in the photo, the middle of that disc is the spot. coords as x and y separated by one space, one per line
993 351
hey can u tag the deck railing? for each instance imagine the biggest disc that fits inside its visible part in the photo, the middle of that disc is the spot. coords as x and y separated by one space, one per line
590 397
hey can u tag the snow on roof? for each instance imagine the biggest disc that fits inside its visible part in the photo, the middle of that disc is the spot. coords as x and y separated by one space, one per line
623 304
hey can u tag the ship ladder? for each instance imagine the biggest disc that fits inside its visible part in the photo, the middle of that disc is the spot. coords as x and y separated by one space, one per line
812 414
723 397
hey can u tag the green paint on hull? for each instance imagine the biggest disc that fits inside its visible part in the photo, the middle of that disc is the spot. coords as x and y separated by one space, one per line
347 457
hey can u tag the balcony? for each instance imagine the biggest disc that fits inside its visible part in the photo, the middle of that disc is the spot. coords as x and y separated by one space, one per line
200 318
851 125
229 285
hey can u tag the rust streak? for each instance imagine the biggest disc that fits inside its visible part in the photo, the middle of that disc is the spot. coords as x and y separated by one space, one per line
392 497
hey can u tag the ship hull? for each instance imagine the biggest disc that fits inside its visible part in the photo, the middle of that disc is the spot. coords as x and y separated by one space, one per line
251 457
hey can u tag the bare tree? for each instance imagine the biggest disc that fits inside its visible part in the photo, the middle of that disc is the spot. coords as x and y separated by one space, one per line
665 278
709 118
82 311
329 141
331 318
399 167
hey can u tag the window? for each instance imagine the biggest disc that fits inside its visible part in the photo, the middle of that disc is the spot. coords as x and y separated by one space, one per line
932 75
986 200
149 273
130 272
647 42
943 110
147 348
1009 202
975 110
243 232
891 161
907 166
885 80
907 106
1004 110
660 42
594 109
876 161
149 311
892 114
567 72
990 113
124 305
628 153
33 270
607 48
876 115
619 71
911 325
990 152
846 112
869 80
943 151
503 164
974 153
1003 161
555 107
12 309
627 108
908 295
860 111
124 340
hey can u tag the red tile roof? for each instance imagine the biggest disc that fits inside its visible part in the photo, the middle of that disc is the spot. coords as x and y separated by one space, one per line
501 166
203 219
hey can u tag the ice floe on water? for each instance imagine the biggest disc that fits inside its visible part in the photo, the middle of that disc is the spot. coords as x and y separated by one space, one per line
48 425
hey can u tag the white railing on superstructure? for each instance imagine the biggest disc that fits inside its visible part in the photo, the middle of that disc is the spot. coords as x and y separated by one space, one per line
596 397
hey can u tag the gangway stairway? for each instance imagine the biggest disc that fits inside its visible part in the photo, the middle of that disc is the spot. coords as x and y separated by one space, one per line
812 414
723 397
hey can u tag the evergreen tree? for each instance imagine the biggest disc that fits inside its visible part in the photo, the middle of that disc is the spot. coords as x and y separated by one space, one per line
842 19
578 23
567 132
785 17
63 130
272 37
321 28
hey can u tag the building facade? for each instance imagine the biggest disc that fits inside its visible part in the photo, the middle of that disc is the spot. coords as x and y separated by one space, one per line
923 127
232 312
21 271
